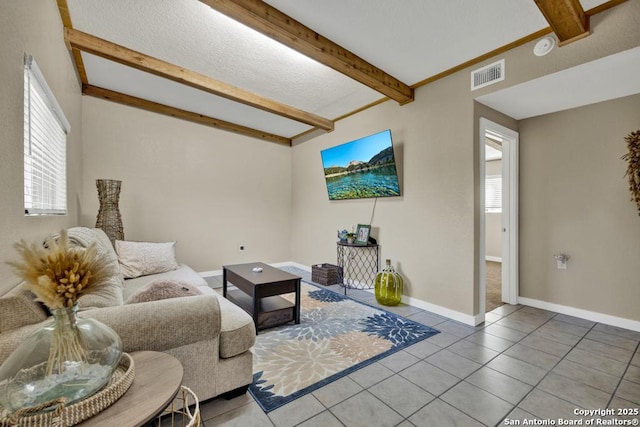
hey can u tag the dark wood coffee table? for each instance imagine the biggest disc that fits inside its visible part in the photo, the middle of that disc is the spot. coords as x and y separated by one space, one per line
258 293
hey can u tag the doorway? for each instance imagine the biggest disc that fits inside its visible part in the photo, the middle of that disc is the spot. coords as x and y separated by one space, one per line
493 219
498 254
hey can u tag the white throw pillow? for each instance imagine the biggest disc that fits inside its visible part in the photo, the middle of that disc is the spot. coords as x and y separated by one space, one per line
110 293
143 258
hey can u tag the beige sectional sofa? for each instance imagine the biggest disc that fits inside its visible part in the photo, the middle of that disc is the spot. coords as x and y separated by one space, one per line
208 334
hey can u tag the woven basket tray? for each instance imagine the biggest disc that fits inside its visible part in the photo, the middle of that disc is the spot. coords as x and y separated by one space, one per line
65 416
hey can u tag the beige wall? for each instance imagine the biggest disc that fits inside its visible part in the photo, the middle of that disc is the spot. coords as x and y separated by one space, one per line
33 27
432 231
427 232
493 221
574 199
209 190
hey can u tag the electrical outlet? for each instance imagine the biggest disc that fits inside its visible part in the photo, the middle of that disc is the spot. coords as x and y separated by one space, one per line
561 260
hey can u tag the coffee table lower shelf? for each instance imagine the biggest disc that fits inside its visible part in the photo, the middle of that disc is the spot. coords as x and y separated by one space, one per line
272 311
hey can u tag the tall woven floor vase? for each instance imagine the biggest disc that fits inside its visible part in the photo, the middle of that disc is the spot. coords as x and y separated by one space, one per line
109 218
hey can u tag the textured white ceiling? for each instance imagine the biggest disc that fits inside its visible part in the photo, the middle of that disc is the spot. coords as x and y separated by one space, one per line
191 34
416 39
411 40
108 74
606 78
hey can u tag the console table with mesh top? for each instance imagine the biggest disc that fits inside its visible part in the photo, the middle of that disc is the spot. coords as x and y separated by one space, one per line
360 264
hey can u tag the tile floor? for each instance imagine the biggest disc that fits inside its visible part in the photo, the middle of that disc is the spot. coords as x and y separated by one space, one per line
522 363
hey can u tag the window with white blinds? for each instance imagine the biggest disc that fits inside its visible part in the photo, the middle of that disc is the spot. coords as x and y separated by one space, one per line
493 194
45 146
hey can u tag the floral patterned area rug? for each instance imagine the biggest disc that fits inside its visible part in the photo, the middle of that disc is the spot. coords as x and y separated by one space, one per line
336 336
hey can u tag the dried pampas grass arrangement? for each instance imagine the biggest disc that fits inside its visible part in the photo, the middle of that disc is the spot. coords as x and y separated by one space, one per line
58 274
633 169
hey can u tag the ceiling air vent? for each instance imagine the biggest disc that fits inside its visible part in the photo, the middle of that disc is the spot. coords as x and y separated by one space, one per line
488 75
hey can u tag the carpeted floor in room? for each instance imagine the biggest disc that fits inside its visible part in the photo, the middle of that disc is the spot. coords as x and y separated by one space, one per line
494 285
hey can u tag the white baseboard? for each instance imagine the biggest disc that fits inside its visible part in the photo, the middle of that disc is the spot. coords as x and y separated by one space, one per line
442 311
291 264
594 316
493 258
467 319
210 273
275 264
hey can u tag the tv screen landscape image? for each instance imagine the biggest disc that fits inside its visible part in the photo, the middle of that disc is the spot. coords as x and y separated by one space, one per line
362 168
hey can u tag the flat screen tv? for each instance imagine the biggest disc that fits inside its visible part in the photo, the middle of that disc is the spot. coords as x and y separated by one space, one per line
362 168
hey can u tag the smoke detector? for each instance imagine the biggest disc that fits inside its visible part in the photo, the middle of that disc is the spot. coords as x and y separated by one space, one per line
544 46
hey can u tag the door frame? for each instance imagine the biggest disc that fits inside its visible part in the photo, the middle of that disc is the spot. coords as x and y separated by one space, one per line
510 167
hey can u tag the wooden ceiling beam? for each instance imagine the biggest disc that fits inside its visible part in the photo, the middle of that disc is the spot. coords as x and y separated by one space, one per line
567 19
166 110
63 8
125 56
271 22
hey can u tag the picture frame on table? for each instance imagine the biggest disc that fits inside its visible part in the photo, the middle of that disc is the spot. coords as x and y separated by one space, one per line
362 234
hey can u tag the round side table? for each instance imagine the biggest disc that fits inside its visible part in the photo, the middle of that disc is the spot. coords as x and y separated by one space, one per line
157 381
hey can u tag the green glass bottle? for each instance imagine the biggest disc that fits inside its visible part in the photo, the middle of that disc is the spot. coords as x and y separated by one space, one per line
389 284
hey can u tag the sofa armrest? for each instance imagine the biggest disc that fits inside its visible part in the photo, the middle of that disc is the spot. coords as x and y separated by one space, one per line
164 324
11 339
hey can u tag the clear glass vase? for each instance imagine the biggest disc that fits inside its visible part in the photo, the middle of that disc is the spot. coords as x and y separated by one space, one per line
388 286
69 357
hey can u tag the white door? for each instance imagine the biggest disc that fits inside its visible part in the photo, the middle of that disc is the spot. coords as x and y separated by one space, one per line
509 216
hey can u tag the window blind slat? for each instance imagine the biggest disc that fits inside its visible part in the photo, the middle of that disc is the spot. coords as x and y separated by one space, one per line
493 193
45 134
